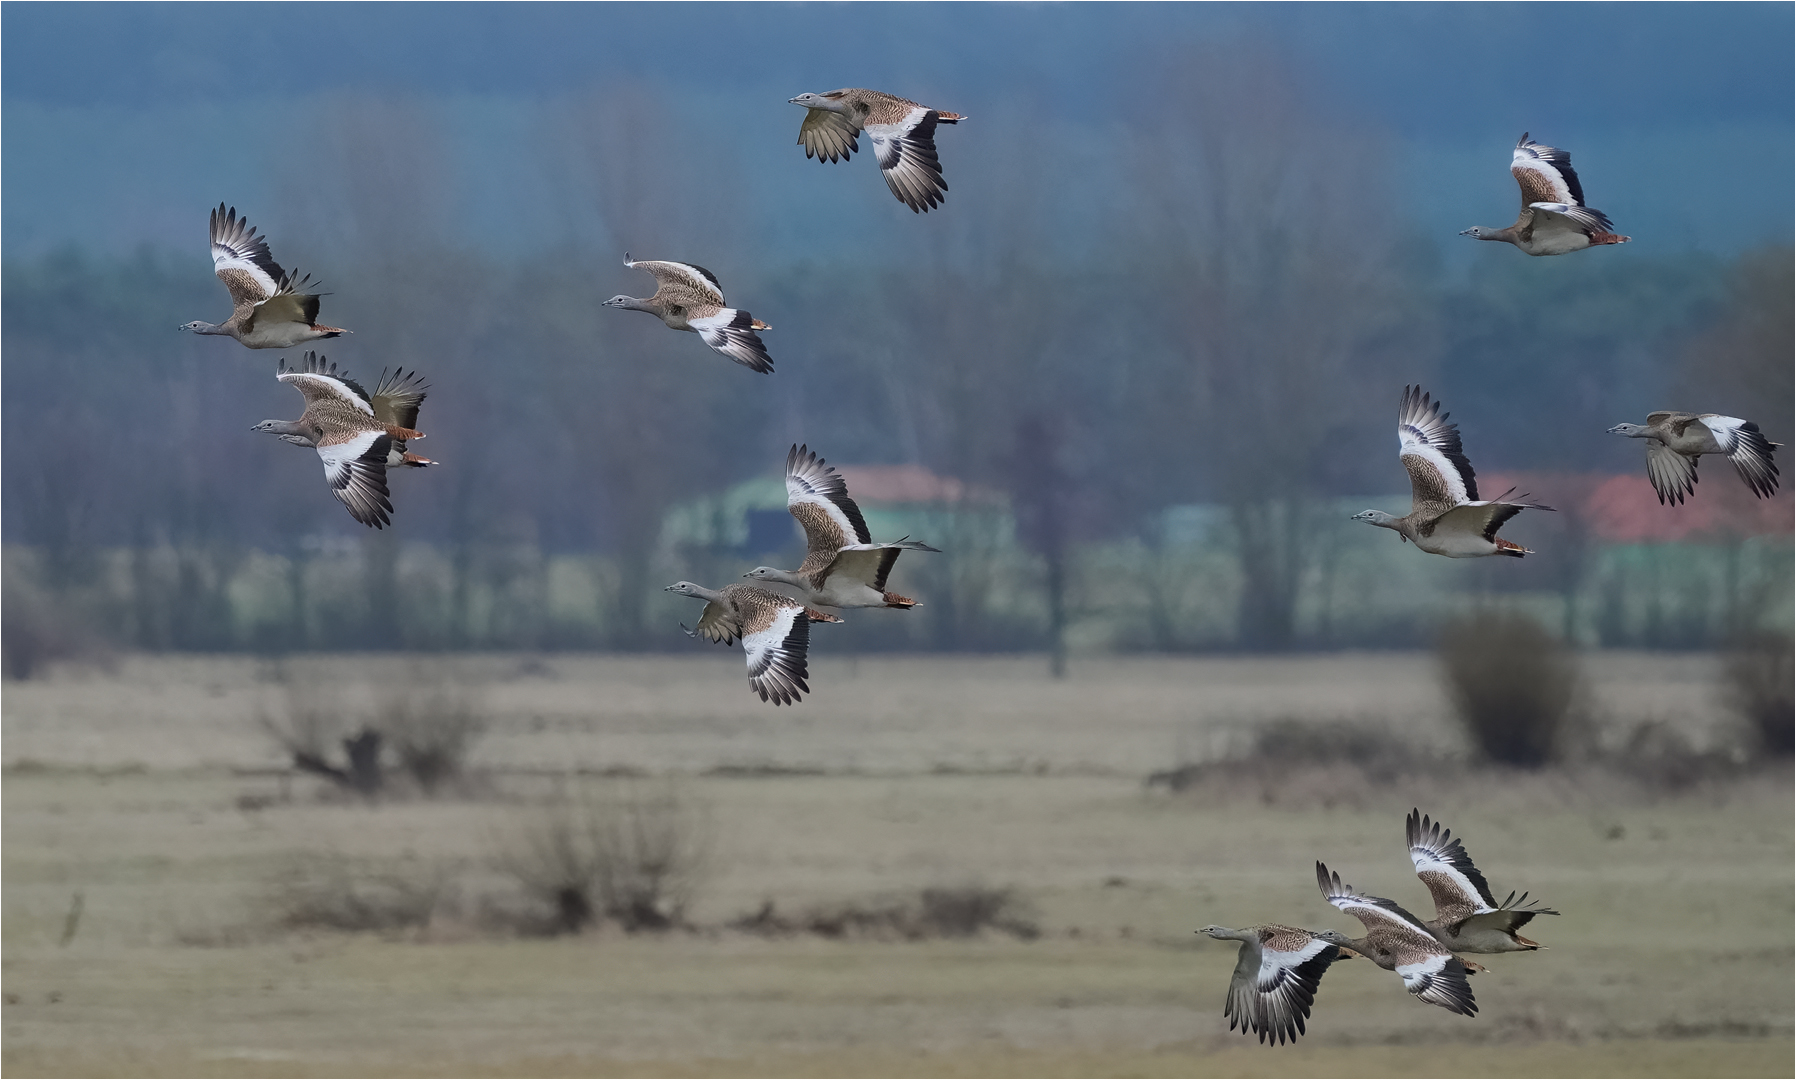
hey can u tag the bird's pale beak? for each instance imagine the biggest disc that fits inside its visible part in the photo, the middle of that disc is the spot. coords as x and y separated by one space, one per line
1617 429
791 101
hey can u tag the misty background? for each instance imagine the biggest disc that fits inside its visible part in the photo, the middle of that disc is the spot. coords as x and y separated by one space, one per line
1144 362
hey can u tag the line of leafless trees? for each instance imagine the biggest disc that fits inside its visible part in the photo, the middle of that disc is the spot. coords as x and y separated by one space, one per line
1218 307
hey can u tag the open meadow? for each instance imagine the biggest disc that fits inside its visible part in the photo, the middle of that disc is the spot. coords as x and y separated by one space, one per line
213 881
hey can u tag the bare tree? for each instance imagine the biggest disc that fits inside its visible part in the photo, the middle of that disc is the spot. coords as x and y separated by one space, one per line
633 400
1273 257
1741 365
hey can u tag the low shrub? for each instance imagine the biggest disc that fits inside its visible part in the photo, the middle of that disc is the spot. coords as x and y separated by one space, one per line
337 893
1760 678
636 859
1512 683
423 728
432 722
952 912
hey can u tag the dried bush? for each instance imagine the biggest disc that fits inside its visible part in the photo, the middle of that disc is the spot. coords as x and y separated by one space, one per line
636 858
1512 683
36 631
957 912
555 859
966 910
311 723
426 724
336 893
432 722
1760 677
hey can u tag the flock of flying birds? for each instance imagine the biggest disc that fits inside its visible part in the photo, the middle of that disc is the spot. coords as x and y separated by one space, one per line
360 435
1279 968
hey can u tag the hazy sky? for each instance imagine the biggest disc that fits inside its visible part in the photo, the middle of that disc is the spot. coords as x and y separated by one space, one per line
124 122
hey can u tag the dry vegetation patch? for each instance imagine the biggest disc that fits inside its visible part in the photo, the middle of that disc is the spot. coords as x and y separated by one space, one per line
634 854
412 732
1761 685
1512 683
943 912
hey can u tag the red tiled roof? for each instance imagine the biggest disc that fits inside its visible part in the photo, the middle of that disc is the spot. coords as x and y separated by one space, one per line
875 484
1625 509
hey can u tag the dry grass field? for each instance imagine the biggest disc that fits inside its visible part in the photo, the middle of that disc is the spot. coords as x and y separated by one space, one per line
150 792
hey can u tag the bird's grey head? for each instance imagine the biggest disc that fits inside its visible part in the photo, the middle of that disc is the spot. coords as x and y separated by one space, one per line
197 324
1335 937
761 573
268 425
620 300
1632 431
684 588
1373 517
810 101
1218 932
1476 232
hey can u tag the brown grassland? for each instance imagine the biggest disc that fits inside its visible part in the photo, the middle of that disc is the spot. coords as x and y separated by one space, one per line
151 792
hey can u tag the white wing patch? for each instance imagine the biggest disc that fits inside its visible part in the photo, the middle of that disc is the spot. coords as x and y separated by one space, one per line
357 472
322 386
907 159
339 456
1427 863
1749 450
1726 430
1369 913
797 492
1527 159
1272 961
776 656
1451 482
1417 975
696 277
732 333
1583 216
223 258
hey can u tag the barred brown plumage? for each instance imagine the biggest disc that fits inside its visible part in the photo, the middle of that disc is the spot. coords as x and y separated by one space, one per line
1554 219
903 134
842 567
688 297
271 308
774 630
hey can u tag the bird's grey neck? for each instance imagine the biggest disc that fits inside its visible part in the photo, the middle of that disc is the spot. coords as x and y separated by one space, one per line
788 577
631 303
713 595
289 428
199 327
